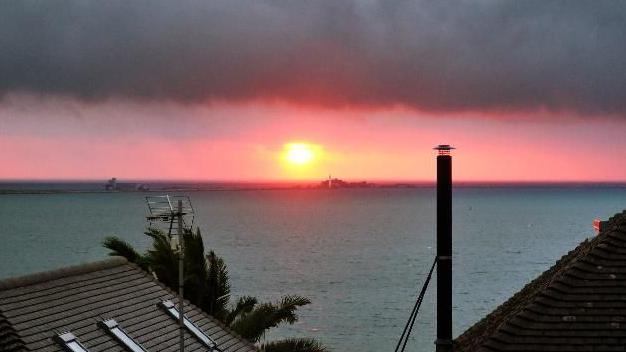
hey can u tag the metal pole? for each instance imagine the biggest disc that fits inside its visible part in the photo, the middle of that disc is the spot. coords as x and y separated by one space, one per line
444 250
181 281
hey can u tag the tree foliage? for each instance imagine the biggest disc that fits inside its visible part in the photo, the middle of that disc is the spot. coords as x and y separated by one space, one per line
207 285
253 324
291 345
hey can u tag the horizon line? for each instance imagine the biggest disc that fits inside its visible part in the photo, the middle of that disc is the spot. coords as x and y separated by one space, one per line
316 181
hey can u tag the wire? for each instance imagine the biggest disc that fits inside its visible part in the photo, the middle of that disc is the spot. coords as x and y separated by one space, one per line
409 324
408 327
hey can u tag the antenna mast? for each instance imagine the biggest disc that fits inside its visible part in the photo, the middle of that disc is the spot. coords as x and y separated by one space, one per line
164 213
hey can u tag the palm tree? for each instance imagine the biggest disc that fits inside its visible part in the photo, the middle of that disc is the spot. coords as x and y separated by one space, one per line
291 345
207 285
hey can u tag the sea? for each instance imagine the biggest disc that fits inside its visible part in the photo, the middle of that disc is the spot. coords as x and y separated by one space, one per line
361 254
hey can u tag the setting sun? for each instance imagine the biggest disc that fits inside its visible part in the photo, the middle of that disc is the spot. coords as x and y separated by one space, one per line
301 160
299 153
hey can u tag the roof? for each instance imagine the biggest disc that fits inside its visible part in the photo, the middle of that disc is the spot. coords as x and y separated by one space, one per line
577 305
34 309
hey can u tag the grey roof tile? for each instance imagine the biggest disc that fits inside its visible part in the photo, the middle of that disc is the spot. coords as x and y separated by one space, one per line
34 308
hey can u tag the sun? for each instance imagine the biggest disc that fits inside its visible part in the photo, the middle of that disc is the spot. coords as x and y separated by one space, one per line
299 153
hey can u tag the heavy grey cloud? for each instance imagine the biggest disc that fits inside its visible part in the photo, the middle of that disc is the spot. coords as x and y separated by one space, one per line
429 55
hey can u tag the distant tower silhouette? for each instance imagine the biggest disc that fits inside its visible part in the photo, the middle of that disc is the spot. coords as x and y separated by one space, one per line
111 184
330 181
444 248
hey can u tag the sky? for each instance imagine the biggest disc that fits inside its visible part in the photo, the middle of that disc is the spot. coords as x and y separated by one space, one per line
220 90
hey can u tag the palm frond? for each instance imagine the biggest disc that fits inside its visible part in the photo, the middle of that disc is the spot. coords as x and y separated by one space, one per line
253 325
163 259
196 270
288 306
294 345
119 247
244 306
219 286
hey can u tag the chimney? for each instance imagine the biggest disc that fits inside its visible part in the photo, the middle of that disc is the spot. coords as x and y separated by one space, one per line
444 248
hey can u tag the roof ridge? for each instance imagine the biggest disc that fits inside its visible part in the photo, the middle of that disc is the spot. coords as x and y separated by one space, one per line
43 276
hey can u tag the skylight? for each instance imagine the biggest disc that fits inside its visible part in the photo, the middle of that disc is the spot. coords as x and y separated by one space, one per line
114 329
173 312
70 342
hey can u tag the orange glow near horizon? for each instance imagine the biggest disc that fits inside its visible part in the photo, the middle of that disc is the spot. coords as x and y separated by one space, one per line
259 142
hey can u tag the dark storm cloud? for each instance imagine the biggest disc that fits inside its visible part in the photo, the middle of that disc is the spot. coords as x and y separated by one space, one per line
428 55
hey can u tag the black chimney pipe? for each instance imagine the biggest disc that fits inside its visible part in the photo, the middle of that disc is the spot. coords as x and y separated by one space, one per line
444 249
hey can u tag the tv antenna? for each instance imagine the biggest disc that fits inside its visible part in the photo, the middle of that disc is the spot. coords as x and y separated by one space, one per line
168 213
165 215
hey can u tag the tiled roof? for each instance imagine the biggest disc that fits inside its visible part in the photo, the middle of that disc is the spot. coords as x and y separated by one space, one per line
577 305
36 308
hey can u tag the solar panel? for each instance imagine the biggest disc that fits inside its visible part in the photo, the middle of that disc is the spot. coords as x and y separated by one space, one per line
193 328
70 342
114 329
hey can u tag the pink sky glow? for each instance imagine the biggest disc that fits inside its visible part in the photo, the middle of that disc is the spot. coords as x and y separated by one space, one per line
53 138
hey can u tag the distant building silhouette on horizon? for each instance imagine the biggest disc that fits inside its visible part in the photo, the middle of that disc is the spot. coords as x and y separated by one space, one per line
111 184
339 183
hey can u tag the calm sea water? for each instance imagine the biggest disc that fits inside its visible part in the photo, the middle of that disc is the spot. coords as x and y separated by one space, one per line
359 254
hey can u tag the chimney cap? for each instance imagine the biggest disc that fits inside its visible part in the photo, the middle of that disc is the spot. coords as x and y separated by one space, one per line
444 147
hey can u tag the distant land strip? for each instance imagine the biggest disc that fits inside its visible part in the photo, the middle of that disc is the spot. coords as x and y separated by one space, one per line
17 188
